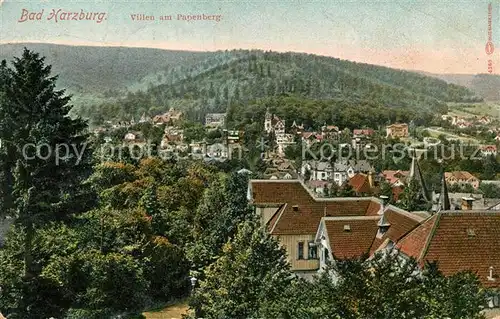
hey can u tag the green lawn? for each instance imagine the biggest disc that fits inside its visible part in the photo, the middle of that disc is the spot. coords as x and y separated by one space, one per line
174 311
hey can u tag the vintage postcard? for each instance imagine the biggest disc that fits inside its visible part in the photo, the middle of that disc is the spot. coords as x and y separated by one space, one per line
249 159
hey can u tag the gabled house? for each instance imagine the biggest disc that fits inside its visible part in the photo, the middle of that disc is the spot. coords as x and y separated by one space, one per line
484 120
346 237
330 132
361 137
487 150
364 184
215 120
272 123
462 178
395 177
172 117
318 171
291 213
309 138
134 137
397 130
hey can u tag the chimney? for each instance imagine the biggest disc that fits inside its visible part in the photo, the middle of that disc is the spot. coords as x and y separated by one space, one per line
384 200
370 179
467 203
490 276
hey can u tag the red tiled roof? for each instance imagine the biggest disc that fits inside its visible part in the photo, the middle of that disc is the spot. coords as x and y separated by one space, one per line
459 241
306 216
401 223
393 176
353 243
361 184
459 175
489 148
368 131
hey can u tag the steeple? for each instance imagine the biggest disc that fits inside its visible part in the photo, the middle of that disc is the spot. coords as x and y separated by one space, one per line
444 199
416 174
383 224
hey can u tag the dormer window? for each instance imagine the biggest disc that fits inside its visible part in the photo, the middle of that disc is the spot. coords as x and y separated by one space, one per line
490 276
295 208
347 228
471 232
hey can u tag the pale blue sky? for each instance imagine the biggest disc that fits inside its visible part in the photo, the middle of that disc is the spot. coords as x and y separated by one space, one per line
434 36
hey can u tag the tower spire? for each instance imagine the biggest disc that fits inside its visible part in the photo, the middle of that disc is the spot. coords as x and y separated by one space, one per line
444 198
416 173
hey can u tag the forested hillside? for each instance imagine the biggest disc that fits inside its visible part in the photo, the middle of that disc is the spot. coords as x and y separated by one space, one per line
484 85
116 83
251 75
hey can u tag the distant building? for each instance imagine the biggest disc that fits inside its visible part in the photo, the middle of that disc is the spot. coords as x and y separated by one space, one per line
398 130
133 137
487 150
363 184
215 120
172 117
296 129
361 137
283 141
272 123
462 178
395 178
330 132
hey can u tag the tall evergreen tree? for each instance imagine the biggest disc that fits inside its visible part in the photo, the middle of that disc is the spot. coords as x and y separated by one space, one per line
52 159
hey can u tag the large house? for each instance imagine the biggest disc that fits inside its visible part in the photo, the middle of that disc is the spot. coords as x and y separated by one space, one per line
361 137
364 184
462 178
291 213
172 117
339 173
345 237
215 120
272 123
397 130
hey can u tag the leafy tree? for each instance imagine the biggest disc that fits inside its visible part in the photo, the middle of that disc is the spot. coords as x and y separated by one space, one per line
251 270
411 199
346 190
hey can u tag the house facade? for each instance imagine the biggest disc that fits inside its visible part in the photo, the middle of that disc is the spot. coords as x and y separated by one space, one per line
215 120
462 178
172 117
272 123
397 130
291 213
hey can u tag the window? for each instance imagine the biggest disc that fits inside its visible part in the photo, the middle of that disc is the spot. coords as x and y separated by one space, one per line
300 250
326 254
312 251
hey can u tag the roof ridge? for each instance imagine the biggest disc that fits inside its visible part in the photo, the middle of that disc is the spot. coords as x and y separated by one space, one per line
339 218
280 210
404 212
430 236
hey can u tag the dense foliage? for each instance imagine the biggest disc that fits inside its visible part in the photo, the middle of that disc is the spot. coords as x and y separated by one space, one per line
246 76
106 239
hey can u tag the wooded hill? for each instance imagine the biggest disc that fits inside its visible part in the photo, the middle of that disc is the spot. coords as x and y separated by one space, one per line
127 82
